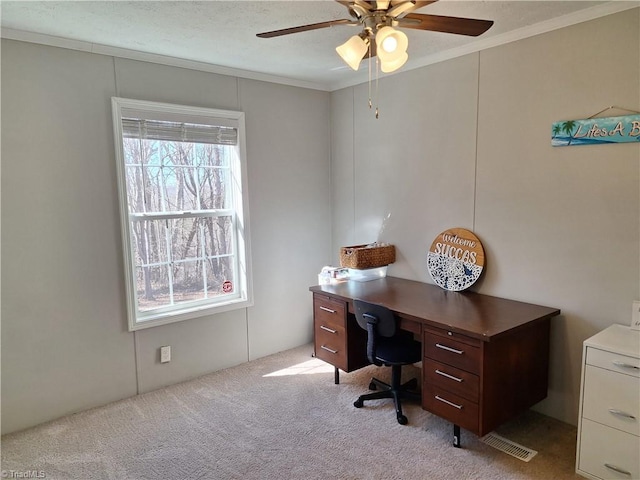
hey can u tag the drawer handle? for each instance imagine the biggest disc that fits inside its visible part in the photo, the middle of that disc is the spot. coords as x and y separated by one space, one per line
459 407
327 309
620 413
617 469
327 329
448 376
328 349
618 363
449 349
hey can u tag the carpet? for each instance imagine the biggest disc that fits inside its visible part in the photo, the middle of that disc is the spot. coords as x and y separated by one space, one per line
278 417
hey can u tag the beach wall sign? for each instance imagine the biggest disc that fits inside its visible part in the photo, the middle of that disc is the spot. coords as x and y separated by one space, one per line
596 131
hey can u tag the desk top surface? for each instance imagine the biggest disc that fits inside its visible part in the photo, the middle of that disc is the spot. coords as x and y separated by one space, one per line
480 316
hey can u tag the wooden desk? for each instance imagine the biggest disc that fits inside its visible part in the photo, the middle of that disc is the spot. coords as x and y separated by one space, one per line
485 359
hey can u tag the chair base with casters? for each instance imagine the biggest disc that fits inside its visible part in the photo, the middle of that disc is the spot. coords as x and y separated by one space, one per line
389 347
396 391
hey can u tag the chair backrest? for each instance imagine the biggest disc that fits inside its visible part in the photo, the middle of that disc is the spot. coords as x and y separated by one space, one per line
377 321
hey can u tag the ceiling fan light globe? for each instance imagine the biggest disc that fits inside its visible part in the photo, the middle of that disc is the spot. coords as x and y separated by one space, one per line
389 44
388 66
386 39
353 51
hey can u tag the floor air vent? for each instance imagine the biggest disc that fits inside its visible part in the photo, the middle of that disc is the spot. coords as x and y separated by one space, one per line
507 446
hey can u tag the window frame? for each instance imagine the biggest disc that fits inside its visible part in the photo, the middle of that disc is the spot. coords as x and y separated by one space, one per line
240 208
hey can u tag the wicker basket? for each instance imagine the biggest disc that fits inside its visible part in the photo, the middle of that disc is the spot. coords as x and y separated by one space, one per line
363 256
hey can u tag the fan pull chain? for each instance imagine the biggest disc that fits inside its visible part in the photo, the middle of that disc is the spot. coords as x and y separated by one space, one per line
376 87
369 75
377 70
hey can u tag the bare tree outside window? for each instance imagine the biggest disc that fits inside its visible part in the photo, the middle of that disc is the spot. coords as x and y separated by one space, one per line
178 259
179 182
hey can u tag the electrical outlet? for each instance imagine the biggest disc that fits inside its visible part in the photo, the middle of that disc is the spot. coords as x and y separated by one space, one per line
635 315
165 354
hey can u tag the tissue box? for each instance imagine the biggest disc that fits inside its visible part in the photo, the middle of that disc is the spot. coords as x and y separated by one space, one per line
367 256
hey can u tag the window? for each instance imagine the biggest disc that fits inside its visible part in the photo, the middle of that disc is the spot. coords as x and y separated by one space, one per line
183 205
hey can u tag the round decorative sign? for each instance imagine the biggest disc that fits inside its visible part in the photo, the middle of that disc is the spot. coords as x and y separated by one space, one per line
455 259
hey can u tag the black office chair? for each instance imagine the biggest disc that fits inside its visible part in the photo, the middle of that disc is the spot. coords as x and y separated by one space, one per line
391 347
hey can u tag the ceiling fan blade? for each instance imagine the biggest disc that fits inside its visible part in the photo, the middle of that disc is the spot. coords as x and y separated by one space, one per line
386 4
401 8
437 23
357 8
420 4
365 5
305 28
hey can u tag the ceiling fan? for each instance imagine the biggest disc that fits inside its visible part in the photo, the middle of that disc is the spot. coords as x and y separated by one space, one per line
379 37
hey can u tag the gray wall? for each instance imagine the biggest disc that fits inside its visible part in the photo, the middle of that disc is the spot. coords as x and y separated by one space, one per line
463 143
466 143
65 344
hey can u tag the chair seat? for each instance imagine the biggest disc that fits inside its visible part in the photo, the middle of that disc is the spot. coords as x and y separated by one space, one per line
392 352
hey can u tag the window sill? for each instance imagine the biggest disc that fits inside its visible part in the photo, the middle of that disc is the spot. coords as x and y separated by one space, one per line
187 314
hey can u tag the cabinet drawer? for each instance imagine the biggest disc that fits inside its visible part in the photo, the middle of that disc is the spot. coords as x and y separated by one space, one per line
612 399
606 452
457 410
613 361
331 344
454 380
452 352
329 311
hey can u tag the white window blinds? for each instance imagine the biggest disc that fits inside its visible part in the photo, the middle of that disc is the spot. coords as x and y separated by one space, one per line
180 132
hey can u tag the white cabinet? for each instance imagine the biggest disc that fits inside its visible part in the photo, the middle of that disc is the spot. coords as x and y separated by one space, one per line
609 423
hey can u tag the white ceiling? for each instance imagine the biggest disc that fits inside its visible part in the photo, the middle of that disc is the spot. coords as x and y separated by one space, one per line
221 35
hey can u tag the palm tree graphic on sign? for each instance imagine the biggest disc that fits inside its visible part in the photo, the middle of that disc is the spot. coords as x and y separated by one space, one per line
567 127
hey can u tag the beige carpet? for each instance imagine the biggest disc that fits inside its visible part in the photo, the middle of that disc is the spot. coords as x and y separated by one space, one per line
280 417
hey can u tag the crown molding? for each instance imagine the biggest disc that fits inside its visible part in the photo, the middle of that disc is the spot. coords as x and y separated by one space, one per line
53 41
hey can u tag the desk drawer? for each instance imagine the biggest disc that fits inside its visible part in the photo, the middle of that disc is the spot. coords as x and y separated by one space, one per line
452 352
457 410
331 344
329 311
451 379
